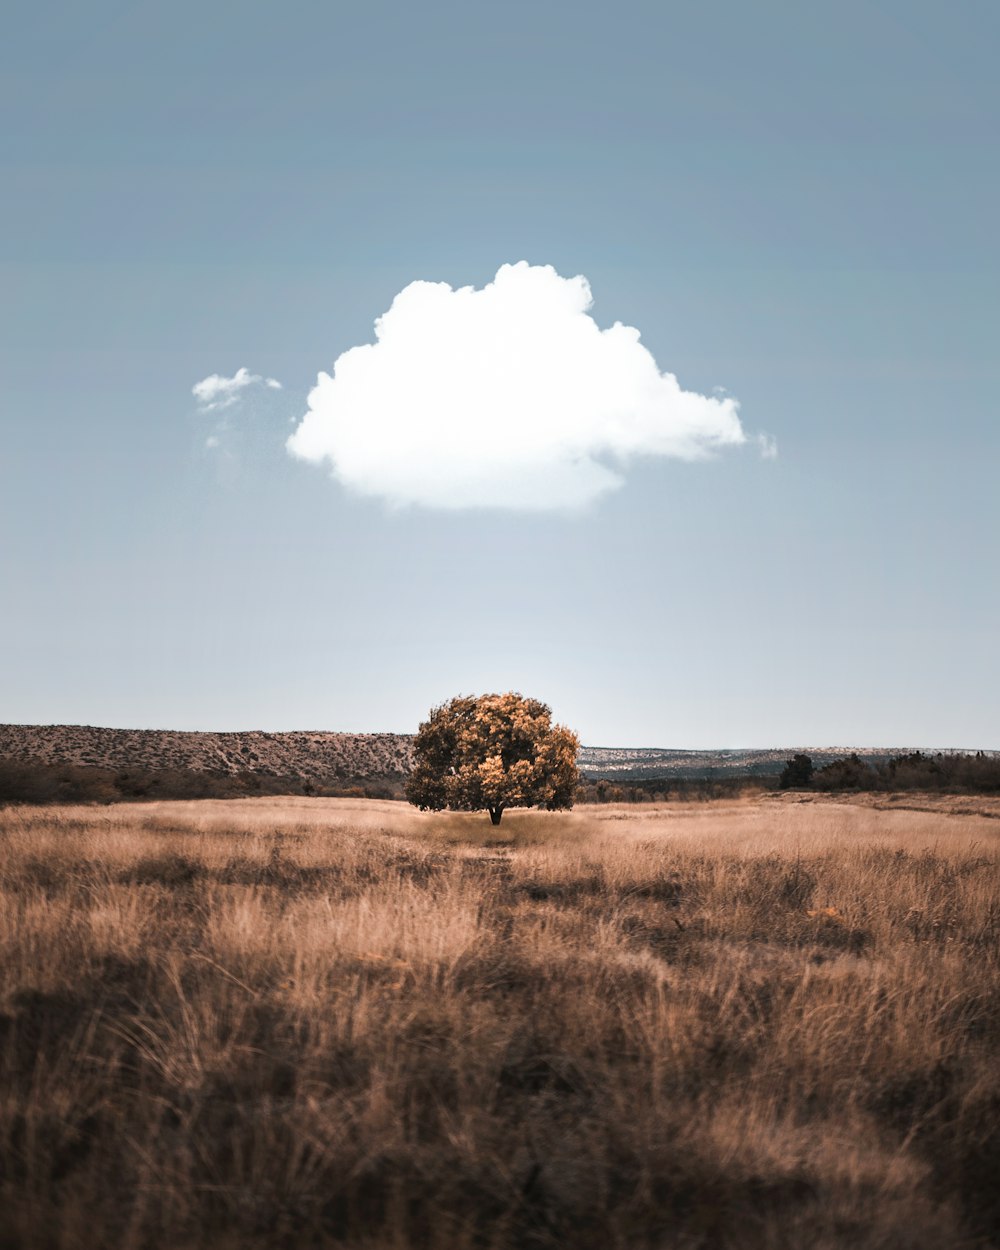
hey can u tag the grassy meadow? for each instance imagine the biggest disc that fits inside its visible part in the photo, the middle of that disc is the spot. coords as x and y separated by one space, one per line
318 1022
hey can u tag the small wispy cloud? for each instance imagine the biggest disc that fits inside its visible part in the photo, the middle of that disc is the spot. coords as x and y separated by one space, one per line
217 391
506 397
767 445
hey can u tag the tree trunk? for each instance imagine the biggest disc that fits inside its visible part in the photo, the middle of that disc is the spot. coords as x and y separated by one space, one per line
495 814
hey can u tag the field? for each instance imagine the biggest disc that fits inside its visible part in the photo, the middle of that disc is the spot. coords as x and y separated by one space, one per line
317 1022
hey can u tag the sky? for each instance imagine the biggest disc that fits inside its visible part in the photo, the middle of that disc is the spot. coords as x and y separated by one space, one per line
681 413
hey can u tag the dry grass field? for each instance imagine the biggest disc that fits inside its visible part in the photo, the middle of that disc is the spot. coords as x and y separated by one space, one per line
304 1022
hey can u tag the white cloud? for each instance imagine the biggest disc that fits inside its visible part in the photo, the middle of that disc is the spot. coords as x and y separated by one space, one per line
768 446
216 391
505 397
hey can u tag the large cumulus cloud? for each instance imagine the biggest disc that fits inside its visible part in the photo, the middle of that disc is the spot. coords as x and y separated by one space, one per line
506 397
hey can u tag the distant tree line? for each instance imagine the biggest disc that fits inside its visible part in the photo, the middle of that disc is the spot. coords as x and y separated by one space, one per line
667 789
947 772
32 782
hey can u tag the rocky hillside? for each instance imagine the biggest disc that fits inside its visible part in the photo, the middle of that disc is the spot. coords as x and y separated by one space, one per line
310 757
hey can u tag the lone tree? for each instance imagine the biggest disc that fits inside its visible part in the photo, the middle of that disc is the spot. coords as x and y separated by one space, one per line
494 752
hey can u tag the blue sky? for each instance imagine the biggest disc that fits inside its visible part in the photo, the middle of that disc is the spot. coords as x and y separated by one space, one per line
795 203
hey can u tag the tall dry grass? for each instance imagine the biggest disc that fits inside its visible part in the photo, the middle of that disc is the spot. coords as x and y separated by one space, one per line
294 1022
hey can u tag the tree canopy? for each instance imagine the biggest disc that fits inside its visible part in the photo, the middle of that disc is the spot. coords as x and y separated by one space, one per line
797 773
494 752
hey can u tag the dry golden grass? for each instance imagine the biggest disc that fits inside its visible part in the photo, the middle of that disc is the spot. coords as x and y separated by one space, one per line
304 1022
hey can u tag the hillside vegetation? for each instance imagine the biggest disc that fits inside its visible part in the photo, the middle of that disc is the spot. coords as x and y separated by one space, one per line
319 758
302 1022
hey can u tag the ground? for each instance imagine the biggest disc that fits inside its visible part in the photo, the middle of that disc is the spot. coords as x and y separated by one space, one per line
304 1022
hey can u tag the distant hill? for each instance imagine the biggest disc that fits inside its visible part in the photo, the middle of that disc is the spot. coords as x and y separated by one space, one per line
318 758
322 759
650 763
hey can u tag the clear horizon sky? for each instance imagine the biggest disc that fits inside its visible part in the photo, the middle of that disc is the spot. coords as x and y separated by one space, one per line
795 206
